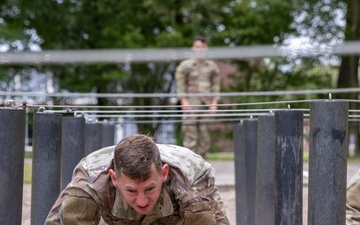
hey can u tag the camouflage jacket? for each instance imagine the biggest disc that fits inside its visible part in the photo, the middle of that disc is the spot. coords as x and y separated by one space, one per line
189 196
353 200
198 76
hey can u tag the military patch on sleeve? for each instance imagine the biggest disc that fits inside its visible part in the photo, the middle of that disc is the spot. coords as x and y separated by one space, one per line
79 210
200 218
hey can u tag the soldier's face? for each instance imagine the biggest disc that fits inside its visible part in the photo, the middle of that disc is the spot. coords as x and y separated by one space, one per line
142 196
199 48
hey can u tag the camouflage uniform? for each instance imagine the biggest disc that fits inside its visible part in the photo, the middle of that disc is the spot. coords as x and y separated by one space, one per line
189 195
353 201
197 76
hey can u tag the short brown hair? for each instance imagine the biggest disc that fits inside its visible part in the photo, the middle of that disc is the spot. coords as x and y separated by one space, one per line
134 156
200 38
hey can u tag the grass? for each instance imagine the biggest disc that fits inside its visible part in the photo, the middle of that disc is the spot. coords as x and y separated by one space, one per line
306 156
28 155
210 156
230 156
227 156
353 159
27 172
220 156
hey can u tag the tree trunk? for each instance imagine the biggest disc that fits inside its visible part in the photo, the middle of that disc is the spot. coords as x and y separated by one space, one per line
348 74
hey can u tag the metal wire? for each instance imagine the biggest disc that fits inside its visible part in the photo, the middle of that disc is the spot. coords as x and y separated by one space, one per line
221 115
73 107
162 111
174 115
192 122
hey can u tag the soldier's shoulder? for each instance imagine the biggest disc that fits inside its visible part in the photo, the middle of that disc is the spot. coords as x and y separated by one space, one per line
98 161
190 163
186 63
213 64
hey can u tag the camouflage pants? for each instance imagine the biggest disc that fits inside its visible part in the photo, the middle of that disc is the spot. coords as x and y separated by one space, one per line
196 135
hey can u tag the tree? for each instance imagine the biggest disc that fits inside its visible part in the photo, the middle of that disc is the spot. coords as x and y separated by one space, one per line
349 69
332 22
104 24
348 75
115 24
324 24
246 23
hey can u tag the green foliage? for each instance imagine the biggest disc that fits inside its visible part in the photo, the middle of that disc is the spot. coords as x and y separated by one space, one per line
106 24
251 22
320 20
214 149
139 24
115 24
270 75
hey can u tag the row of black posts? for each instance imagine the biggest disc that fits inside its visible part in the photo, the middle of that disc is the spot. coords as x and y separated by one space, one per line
269 166
59 143
268 163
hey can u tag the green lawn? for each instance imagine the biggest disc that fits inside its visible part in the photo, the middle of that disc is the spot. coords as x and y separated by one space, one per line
230 156
27 172
209 156
220 156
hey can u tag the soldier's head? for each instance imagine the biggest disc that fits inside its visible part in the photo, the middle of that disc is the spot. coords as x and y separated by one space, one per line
199 46
139 172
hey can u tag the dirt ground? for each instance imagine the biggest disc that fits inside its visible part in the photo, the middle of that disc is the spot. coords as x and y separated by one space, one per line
26 205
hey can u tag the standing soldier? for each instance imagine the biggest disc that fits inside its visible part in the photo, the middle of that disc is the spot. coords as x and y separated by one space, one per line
197 75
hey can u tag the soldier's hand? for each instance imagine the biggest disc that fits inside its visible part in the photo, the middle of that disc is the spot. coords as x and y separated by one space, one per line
213 108
186 107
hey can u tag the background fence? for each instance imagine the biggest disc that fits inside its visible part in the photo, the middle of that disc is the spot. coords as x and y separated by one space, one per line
268 141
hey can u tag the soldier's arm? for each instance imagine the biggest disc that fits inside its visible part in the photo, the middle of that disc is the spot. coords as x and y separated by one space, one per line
215 84
74 207
181 82
203 204
353 201
180 77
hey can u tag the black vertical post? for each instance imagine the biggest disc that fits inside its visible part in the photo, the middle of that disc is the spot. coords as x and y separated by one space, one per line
265 171
12 148
108 135
93 136
240 174
250 129
72 145
288 167
46 166
328 162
